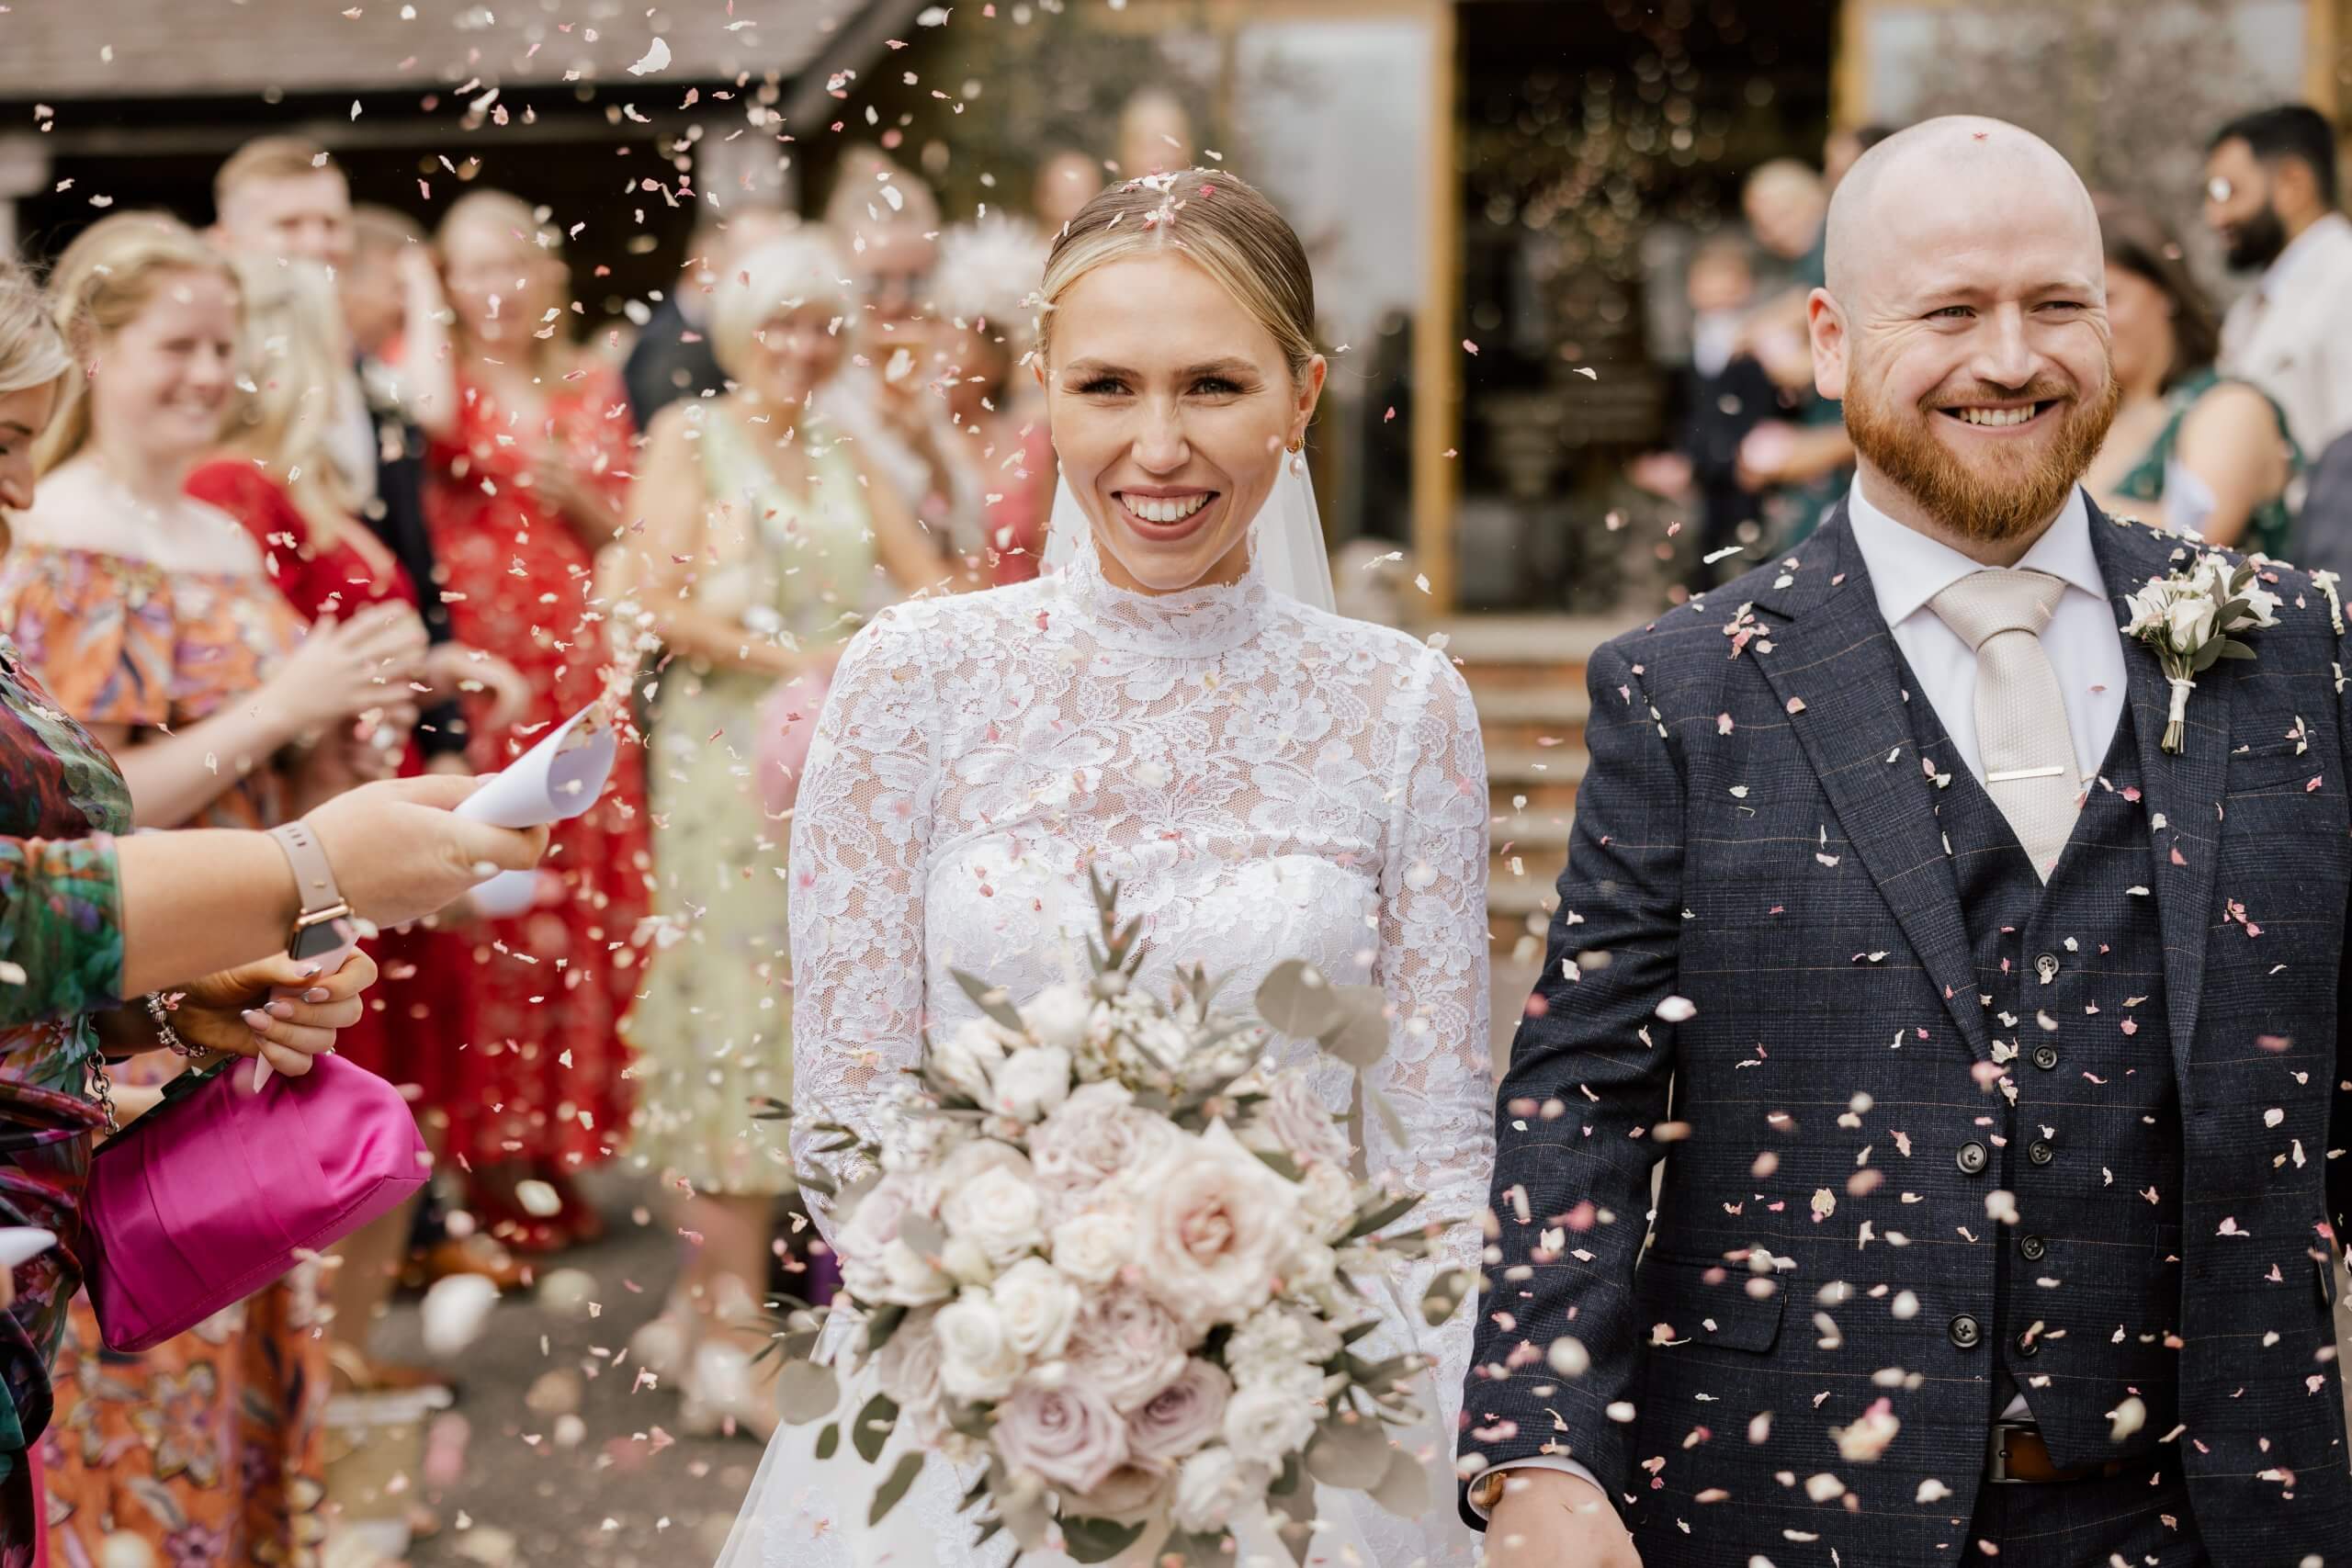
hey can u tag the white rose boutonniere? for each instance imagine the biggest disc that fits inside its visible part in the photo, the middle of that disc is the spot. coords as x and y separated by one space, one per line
2191 619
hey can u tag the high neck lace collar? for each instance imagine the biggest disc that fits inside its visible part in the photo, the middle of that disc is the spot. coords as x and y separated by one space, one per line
1197 623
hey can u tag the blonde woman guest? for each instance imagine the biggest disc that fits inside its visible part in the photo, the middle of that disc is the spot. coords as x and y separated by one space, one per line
766 544
1263 779
152 618
92 919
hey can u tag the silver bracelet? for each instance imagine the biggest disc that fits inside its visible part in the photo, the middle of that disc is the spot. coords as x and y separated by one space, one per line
157 1006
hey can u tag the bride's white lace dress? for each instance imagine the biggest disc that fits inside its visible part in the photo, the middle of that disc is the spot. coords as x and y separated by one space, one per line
1265 782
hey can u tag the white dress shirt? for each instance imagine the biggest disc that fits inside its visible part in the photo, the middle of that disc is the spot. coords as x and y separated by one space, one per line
2290 335
2083 640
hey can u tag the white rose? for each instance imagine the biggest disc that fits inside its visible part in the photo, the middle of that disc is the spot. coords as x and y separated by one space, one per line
1266 1424
1057 1016
909 1367
1210 1486
1326 1200
1038 1305
1276 1339
2188 622
1214 1228
965 1263
967 1059
1292 1121
2261 608
976 1360
999 1211
2148 607
1033 1081
1090 1248
897 1274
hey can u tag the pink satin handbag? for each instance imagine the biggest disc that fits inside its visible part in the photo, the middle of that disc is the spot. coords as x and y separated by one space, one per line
222 1188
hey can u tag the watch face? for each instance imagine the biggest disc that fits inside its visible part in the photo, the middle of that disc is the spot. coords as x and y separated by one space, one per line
318 941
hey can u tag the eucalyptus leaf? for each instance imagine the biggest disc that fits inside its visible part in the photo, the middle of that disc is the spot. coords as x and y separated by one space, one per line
806 1392
829 1440
990 999
1208 1550
2236 650
1292 1516
1389 1121
872 1428
1297 999
1444 1295
1382 1215
1282 1165
1349 1454
882 1324
1404 1489
886 1496
1359 1034
1099 1540
2205 656
1021 1508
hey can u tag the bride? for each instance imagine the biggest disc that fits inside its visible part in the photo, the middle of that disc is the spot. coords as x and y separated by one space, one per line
1176 708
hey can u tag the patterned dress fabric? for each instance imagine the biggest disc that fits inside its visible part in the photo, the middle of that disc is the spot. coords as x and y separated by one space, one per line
210 1445
714 1026
1266 781
541 1076
61 950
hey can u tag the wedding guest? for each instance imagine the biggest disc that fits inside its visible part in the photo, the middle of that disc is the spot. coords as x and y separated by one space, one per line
1785 203
1154 134
2190 449
94 920
529 465
766 544
887 222
152 621
274 477
1066 182
2323 529
673 356
999 443
2270 194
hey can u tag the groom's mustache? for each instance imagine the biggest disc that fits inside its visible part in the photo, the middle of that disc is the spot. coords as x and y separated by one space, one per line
2042 390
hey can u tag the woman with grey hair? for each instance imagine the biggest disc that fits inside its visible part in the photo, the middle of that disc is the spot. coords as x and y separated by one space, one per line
765 544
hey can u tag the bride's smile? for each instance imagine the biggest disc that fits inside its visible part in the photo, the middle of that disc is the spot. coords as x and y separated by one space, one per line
1173 409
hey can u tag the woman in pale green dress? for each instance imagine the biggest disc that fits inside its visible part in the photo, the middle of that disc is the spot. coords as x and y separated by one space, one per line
764 546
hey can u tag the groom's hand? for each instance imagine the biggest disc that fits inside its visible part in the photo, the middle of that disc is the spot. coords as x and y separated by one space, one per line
1548 1518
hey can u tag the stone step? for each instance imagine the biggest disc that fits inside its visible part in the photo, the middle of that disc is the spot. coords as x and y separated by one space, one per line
1520 717
1546 776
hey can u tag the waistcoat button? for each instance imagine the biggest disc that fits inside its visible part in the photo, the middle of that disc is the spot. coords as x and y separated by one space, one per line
2047 967
2028 1344
1970 1157
1964 1332
2045 1057
2033 1246
2040 1152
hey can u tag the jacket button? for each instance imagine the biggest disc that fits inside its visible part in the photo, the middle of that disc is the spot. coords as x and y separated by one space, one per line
1970 1157
2033 1246
2045 1057
1964 1332
2040 1151
2028 1343
2046 966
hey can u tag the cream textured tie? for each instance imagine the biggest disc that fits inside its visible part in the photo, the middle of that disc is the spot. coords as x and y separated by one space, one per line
2021 734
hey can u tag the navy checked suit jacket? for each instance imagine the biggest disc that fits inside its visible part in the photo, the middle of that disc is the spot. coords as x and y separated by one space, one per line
1751 836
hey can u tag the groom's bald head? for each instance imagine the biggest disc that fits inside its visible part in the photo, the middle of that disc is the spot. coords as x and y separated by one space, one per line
1954 171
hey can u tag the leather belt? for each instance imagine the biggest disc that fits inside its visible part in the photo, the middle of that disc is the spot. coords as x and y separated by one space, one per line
2018 1454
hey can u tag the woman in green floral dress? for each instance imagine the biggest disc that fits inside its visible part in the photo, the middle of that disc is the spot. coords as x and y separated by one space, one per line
765 547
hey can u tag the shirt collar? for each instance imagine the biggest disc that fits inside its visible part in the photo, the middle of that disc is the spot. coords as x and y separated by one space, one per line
1908 568
2299 250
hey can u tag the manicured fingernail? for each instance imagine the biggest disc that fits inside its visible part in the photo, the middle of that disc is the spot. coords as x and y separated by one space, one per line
317 994
312 971
281 1009
255 1020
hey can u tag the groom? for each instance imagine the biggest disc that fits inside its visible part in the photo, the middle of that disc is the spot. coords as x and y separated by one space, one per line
1991 1049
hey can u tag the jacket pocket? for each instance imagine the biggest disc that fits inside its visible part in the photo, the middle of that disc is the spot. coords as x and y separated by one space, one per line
2272 770
1705 1300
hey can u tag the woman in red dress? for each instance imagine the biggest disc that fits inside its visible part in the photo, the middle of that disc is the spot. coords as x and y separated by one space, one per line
278 477
529 465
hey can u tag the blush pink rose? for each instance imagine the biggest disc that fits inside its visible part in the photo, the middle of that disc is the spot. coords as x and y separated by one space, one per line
1127 1346
1292 1121
1091 1137
1214 1228
1183 1416
1069 1435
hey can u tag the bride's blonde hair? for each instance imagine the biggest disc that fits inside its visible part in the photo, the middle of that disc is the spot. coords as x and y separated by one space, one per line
287 404
1219 223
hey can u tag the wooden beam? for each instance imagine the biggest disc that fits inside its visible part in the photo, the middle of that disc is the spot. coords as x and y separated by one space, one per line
1437 358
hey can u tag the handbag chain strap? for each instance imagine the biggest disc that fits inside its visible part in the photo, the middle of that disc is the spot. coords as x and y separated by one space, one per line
102 1091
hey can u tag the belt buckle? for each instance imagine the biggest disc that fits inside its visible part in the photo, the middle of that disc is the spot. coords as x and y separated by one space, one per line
1996 1457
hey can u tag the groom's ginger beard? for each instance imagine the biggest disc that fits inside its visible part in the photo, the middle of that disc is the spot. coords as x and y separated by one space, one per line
2008 499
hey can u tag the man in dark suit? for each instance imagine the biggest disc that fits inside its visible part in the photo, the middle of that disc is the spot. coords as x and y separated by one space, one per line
1990 1046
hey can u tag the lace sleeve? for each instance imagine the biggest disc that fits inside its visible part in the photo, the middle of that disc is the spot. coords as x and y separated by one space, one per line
860 832
1433 966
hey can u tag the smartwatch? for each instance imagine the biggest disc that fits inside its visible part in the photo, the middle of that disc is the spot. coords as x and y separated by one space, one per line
318 929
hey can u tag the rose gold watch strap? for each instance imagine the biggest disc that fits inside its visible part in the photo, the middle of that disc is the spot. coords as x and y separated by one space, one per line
313 878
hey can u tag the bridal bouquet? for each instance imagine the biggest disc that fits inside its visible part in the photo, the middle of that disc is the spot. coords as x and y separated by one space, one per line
1105 1255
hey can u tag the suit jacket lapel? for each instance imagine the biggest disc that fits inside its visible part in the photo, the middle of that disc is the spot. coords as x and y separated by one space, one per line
1834 666
2182 794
